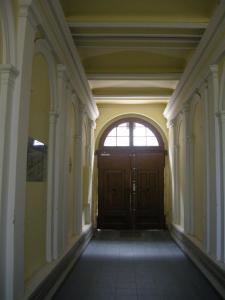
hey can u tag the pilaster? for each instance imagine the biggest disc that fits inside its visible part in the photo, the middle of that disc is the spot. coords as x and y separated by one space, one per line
53 116
79 168
14 242
188 171
173 152
58 205
8 76
222 136
214 197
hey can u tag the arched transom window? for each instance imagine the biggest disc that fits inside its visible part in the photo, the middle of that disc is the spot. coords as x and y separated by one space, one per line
131 133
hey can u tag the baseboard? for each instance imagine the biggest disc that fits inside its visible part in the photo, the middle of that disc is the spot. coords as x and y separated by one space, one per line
51 283
212 271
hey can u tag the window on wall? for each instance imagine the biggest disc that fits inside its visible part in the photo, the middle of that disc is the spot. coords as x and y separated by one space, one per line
131 134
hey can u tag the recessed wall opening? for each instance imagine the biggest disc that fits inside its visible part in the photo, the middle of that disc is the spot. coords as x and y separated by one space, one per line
131 160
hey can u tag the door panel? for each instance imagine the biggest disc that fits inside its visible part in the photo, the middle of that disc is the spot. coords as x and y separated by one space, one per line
150 191
114 178
131 191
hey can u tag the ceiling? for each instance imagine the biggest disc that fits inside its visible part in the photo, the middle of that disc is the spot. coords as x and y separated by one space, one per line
136 50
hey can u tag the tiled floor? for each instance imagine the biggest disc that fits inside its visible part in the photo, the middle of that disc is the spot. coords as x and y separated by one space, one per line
144 265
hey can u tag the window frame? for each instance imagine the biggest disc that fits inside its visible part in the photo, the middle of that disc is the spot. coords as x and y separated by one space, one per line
131 121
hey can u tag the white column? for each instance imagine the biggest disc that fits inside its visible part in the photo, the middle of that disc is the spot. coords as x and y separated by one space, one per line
53 116
172 154
8 76
15 211
90 151
188 172
79 169
213 205
59 164
65 171
222 212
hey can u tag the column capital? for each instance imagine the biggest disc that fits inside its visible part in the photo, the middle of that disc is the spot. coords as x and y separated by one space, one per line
186 107
26 11
8 72
213 69
171 123
82 108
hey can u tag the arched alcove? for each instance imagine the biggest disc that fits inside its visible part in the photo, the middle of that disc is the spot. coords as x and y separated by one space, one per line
37 164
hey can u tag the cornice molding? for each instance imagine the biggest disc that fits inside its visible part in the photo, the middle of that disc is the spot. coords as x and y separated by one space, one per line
51 18
194 75
149 25
138 76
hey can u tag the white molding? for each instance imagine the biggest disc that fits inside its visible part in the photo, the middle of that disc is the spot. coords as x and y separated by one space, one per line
42 47
52 20
137 76
194 74
8 32
150 25
8 75
129 97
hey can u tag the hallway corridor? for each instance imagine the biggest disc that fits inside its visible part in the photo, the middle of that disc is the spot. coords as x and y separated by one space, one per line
143 265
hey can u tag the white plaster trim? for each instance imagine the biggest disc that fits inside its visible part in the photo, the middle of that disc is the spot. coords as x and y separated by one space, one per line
194 74
150 76
137 76
42 47
150 25
8 32
132 97
53 22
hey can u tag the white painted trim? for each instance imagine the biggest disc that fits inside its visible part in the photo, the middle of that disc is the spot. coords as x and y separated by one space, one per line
132 97
18 155
132 101
194 73
150 25
42 47
8 32
151 36
137 76
66 51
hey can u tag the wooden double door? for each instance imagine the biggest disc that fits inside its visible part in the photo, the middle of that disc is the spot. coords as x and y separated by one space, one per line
131 190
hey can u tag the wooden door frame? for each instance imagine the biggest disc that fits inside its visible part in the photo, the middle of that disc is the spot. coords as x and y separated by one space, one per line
106 150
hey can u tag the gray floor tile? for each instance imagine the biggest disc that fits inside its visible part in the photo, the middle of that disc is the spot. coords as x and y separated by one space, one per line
143 265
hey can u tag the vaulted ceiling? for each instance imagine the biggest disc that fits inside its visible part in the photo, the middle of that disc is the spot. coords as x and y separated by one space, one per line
136 50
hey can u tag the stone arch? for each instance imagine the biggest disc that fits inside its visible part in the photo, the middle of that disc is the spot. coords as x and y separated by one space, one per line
139 116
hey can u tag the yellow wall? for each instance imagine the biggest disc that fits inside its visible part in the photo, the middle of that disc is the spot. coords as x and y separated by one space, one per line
110 111
71 196
181 173
36 196
198 163
149 112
